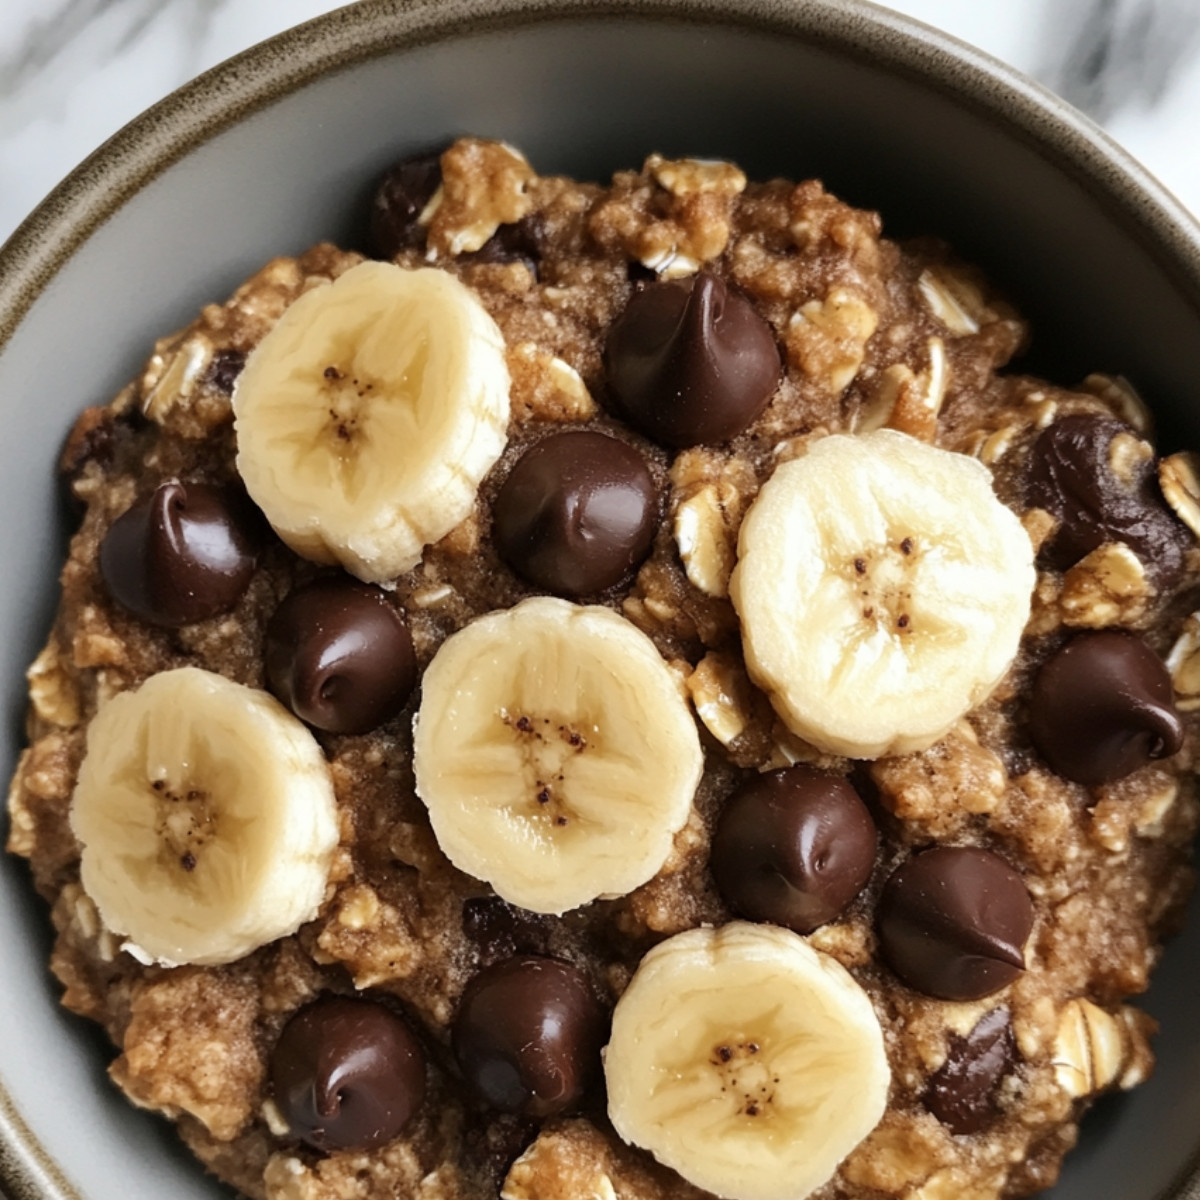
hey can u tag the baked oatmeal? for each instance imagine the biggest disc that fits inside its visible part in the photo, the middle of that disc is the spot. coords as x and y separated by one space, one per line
619 694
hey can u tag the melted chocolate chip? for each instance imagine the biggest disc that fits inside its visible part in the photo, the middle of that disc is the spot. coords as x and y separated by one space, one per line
962 1092
527 1036
347 1074
224 369
520 241
577 513
92 439
953 922
399 201
793 847
1102 707
690 361
1071 476
184 554
340 656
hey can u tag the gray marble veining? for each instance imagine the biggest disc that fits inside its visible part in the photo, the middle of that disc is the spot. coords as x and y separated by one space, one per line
53 30
1105 56
73 71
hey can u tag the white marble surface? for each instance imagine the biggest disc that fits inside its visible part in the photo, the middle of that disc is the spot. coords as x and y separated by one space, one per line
72 72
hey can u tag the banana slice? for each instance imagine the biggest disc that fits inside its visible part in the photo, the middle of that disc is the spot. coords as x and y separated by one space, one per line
555 753
882 590
207 818
745 1060
370 413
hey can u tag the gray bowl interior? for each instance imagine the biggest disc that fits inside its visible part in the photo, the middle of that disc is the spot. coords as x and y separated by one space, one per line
1108 273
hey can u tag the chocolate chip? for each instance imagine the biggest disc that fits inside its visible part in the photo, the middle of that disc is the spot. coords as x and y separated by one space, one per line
184 554
527 1036
577 513
1071 476
92 439
224 369
690 361
1102 707
399 201
340 656
793 847
953 922
962 1092
347 1074
520 241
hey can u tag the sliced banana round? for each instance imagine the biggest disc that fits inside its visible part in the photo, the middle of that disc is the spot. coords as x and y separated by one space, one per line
745 1060
207 818
882 590
369 414
556 753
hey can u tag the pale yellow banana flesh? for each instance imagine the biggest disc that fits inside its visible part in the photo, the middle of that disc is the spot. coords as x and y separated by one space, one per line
207 818
882 590
555 753
745 1060
369 414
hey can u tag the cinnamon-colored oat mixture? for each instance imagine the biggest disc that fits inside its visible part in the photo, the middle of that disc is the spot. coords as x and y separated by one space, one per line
871 334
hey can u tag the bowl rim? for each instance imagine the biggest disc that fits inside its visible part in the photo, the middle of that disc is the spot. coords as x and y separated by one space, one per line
856 29
253 80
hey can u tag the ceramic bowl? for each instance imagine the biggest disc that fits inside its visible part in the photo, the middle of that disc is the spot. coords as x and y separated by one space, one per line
280 147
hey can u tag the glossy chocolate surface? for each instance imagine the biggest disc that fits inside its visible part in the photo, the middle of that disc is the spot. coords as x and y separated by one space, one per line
953 922
577 513
1071 476
527 1035
1102 707
340 655
793 847
347 1074
182 554
691 361
962 1092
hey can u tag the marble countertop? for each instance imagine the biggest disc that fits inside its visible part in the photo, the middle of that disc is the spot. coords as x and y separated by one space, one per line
72 72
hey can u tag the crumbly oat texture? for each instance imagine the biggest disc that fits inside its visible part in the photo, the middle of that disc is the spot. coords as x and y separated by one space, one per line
871 334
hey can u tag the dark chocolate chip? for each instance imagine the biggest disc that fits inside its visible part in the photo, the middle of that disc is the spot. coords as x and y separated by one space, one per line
1102 707
400 199
691 361
793 847
1071 476
340 656
185 553
962 1092
520 241
577 513
953 922
224 369
347 1074
92 439
527 1036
